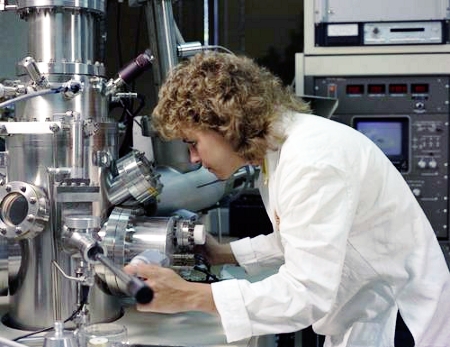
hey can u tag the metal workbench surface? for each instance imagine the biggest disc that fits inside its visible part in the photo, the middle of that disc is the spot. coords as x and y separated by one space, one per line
150 329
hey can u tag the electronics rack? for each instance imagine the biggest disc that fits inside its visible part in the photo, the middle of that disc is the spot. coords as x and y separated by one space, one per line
402 78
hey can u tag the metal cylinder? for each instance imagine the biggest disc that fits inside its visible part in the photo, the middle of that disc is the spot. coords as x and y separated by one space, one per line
197 189
135 178
126 235
63 144
64 36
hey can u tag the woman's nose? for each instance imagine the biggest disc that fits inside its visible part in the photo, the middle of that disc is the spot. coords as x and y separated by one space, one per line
194 157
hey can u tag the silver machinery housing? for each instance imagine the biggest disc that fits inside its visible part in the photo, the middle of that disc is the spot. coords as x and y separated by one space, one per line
71 208
53 158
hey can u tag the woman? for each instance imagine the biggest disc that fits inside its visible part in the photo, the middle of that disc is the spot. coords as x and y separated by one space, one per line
351 244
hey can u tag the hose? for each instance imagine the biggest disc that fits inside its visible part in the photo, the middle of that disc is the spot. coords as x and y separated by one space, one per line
30 95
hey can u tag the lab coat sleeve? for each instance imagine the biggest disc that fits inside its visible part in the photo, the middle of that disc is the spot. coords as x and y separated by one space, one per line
258 253
316 205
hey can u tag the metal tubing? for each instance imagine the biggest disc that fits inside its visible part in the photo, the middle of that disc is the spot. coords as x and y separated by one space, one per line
77 146
163 43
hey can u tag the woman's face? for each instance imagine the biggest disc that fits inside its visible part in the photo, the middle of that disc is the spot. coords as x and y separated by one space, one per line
215 153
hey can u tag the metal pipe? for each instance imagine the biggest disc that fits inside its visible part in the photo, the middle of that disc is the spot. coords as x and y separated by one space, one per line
77 146
162 36
166 34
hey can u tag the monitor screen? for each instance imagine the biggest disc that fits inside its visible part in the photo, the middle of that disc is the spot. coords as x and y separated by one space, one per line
390 134
386 135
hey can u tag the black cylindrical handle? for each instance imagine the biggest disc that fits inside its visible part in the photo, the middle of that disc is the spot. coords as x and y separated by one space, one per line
135 287
140 291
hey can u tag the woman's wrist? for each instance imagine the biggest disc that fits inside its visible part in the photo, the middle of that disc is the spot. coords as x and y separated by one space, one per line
226 254
200 298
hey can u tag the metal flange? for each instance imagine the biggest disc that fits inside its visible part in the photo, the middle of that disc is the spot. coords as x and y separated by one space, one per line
24 210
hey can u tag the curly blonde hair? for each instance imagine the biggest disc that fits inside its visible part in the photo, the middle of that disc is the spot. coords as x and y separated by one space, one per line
228 94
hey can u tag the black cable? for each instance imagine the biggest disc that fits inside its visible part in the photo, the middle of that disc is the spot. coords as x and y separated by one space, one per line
141 99
137 123
210 277
127 143
84 297
126 110
200 258
202 265
33 333
72 316
128 119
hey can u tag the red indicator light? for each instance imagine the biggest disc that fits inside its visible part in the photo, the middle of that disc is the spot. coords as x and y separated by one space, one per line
398 88
420 88
376 89
355 89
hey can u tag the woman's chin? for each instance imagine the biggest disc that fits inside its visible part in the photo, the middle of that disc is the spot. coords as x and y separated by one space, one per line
219 176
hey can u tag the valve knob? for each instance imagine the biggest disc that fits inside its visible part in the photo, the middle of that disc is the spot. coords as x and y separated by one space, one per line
199 234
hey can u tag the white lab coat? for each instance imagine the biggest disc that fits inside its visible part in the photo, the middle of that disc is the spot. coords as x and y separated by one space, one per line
352 243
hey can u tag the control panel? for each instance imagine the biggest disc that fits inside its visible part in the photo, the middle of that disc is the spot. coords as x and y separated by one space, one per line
408 118
383 22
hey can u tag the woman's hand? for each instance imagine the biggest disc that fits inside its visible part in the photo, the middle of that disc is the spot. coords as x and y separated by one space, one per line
216 253
171 293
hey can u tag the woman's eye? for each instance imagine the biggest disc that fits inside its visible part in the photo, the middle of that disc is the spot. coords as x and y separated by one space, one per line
192 144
